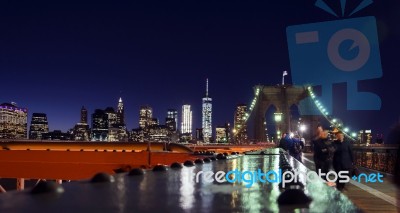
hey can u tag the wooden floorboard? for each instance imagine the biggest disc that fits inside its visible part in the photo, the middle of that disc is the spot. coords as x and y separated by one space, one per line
370 202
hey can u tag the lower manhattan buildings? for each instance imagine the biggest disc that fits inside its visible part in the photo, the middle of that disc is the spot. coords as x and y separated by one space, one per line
13 121
81 131
240 125
207 116
186 123
39 125
107 126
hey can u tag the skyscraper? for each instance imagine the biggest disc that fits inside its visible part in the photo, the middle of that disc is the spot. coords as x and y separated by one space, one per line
81 131
240 126
207 116
39 125
119 131
111 117
145 116
186 120
84 119
99 125
220 134
13 121
172 118
120 113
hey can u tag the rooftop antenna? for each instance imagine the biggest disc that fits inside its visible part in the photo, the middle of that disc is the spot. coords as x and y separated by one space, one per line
207 88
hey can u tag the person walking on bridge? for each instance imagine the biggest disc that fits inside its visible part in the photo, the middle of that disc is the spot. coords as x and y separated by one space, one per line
342 158
296 148
323 153
285 142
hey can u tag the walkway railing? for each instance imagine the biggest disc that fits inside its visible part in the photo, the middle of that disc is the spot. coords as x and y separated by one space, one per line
377 157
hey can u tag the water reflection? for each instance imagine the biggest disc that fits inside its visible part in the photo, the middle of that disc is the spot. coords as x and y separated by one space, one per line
206 197
186 190
121 193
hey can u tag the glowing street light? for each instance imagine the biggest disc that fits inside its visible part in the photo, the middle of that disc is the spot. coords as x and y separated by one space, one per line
278 116
353 134
302 128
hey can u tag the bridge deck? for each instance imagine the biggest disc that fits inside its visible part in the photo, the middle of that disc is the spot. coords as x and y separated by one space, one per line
370 197
177 191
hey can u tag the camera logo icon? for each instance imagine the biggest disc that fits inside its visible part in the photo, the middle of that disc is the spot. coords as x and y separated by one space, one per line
337 51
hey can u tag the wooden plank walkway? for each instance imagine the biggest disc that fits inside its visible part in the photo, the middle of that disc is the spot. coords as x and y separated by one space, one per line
370 197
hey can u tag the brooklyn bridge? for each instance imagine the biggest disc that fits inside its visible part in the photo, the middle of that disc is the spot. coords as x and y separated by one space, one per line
125 177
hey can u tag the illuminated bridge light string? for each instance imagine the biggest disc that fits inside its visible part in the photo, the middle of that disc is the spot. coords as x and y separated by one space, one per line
333 121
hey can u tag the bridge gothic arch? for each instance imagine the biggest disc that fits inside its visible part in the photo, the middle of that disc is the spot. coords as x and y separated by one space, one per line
282 97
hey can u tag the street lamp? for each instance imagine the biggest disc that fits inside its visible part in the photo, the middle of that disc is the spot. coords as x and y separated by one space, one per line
302 129
278 119
278 116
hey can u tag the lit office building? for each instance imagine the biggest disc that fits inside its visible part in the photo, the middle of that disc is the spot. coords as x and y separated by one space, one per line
171 124
145 116
13 121
119 131
84 119
81 131
154 122
186 120
39 125
186 124
240 126
221 133
207 116
365 136
99 125
172 114
111 117
116 131
158 133
117 134
120 113
137 135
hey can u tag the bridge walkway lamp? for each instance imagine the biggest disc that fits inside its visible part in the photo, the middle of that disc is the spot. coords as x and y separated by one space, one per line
302 129
278 120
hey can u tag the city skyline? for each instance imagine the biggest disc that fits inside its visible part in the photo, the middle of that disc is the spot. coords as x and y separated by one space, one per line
58 56
83 115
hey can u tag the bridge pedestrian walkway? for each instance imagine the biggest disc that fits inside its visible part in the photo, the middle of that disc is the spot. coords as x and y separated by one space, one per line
370 197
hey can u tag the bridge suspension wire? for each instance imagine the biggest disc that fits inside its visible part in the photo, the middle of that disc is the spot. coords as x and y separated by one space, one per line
333 121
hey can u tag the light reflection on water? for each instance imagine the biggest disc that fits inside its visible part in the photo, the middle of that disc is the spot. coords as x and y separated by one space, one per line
260 197
206 197
186 190
121 194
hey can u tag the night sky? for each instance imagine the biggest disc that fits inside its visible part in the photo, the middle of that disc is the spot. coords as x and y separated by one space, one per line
56 56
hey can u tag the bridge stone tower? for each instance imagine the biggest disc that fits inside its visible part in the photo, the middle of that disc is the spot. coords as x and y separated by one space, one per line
280 96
